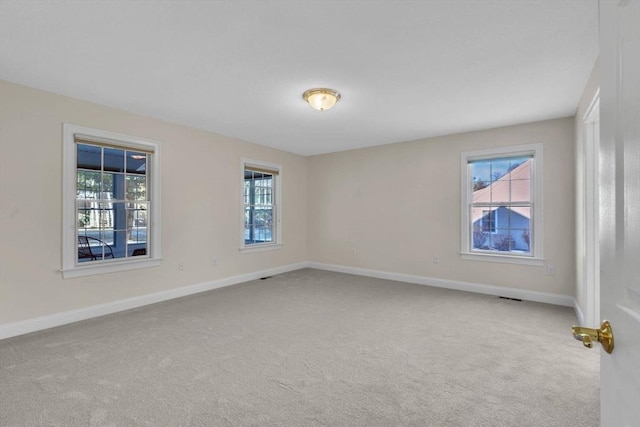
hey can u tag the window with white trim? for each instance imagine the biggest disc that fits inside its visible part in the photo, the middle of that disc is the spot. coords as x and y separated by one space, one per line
111 202
260 205
502 204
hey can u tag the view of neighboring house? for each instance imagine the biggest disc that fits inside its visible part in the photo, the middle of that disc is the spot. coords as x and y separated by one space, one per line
501 212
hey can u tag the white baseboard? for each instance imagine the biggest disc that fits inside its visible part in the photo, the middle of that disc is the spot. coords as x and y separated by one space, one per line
563 300
9 330
45 322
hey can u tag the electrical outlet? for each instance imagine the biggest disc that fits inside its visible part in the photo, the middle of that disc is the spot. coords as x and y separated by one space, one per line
214 261
354 251
436 259
551 270
180 266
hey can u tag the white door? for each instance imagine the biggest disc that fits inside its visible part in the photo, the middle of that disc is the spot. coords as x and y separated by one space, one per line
620 209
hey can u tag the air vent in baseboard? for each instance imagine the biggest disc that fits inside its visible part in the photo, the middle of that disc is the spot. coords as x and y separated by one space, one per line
512 299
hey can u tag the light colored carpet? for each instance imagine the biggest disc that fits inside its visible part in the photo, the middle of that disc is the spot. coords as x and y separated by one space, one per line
307 348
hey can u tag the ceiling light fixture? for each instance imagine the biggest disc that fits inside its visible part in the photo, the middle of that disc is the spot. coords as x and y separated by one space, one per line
321 98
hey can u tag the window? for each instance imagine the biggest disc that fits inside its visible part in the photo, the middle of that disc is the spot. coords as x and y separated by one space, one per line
502 204
111 202
260 206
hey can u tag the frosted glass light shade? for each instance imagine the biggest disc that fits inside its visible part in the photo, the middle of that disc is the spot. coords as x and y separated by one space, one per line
321 99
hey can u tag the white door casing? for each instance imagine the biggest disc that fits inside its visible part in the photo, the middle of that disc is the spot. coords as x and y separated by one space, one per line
620 209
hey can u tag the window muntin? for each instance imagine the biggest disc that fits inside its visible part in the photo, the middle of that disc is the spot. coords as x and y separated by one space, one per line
111 202
501 196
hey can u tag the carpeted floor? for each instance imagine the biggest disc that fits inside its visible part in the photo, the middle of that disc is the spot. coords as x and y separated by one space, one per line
307 348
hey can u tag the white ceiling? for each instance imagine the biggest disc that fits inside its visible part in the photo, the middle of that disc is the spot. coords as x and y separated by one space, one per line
406 69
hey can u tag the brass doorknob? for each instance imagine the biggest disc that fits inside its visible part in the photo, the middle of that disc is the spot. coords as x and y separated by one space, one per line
604 336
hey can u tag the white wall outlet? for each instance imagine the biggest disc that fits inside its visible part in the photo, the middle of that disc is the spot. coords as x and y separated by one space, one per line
214 261
551 270
436 259
180 266
354 251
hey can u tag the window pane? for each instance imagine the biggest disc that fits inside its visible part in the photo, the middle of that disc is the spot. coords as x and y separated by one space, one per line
93 245
101 249
519 240
258 225
489 221
137 222
476 215
88 185
136 163
480 239
113 160
521 190
138 214
88 215
520 217
89 157
105 217
112 186
488 171
481 171
525 245
500 191
503 240
137 235
136 187
489 243
119 246
138 250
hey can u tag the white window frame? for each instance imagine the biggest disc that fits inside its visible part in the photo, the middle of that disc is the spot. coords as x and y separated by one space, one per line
70 267
536 258
277 194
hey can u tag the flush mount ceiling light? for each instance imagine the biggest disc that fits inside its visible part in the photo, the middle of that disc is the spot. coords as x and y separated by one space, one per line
321 98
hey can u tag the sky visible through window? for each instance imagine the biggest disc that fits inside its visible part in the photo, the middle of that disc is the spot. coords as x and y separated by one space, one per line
491 170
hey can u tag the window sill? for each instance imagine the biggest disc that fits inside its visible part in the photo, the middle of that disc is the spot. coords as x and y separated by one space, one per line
109 267
260 248
505 259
